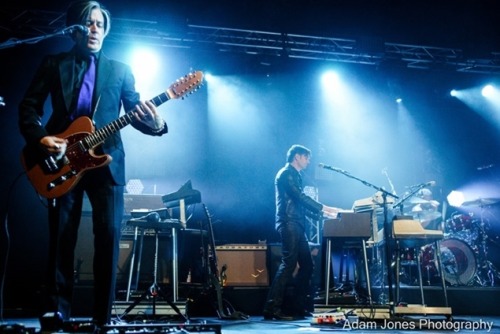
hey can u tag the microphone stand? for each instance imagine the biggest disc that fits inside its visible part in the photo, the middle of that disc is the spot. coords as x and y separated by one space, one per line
14 42
387 228
408 195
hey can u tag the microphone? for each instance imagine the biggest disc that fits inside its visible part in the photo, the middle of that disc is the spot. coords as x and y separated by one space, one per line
78 27
485 167
330 167
425 184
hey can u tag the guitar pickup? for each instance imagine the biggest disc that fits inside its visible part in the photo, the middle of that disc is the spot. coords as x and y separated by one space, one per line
53 165
61 179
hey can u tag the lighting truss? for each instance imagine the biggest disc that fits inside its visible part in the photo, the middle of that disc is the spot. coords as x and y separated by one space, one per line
254 42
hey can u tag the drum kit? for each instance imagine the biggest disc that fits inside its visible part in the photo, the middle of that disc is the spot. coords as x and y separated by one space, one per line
463 250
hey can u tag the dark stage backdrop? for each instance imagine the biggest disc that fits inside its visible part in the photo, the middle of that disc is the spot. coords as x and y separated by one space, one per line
231 146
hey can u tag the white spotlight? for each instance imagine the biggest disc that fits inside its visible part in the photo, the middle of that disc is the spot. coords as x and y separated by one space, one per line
399 100
208 76
145 65
330 79
455 198
453 92
487 91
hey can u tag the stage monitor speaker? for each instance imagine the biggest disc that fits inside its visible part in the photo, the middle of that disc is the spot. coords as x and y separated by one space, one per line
245 264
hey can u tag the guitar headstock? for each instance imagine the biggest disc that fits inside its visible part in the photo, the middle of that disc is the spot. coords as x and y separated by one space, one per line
185 85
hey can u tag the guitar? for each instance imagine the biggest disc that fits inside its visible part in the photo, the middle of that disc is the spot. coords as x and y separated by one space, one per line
213 271
52 177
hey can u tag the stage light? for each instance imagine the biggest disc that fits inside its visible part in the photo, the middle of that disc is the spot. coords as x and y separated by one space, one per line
454 92
488 91
455 198
145 66
399 100
330 79
208 76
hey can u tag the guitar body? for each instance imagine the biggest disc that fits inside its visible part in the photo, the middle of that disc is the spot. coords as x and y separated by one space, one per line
53 178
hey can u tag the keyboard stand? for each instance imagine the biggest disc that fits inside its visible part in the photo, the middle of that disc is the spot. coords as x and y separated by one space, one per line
352 228
410 233
154 290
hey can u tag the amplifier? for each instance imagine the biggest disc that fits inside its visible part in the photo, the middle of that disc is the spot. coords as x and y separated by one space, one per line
245 264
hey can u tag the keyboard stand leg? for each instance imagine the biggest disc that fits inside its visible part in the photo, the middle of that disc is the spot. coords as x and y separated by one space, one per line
132 263
441 273
419 254
328 269
367 272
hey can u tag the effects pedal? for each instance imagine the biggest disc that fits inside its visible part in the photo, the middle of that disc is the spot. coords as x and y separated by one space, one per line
331 318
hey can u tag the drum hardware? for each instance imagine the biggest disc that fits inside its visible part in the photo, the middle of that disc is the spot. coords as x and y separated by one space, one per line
481 202
487 273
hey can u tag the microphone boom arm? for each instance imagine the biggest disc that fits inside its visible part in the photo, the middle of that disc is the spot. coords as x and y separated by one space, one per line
410 194
366 183
14 42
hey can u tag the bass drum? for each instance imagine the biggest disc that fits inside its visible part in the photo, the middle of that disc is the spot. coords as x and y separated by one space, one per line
457 259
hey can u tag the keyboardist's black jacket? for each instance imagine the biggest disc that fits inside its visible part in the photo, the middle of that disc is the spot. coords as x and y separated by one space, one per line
292 204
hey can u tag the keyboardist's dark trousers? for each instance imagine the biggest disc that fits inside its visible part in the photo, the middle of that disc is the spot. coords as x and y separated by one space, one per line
107 203
295 250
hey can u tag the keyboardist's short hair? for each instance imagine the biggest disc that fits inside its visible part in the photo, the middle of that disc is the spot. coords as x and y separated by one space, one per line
297 149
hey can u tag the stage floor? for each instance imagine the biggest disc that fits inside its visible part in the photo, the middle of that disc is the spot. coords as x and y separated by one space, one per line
256 324
471 310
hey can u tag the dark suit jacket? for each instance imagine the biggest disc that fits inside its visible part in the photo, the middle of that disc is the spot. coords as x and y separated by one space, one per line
114 88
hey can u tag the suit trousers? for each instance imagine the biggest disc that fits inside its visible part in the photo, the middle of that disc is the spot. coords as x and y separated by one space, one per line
107 203
295 251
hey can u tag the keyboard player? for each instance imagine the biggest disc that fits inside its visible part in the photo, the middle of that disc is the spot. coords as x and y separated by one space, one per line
291 205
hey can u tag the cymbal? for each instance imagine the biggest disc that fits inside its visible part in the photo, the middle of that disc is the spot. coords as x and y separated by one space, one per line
481 202
417 200
427 215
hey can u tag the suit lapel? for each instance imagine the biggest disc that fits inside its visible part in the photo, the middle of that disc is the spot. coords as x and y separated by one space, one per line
103 70
66 74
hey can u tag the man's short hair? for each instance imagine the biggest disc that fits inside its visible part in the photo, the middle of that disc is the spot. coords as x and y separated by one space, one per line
297 149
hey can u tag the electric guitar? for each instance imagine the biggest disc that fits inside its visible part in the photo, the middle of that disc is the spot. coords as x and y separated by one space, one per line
213 272
52 177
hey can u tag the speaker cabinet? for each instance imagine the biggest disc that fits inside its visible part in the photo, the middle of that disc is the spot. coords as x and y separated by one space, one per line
84 253
245 264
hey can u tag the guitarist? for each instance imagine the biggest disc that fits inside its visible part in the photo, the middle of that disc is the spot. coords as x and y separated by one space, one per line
111 84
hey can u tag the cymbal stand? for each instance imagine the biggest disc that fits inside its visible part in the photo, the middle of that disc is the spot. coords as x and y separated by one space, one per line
484 265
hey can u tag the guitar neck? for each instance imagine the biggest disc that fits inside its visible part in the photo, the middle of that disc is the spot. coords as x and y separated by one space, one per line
99 136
